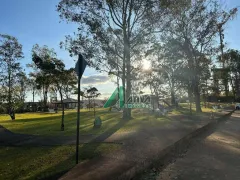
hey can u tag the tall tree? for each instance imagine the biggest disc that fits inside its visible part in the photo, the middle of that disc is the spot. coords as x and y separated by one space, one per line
32 87
222 21
167 61
23 85
69 83
20 90
93 93
112 33
194 29
154 80
61 78
220 25
232 58
44 63
10 54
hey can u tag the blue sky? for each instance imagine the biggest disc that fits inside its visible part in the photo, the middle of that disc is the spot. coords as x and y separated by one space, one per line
36 21
232 35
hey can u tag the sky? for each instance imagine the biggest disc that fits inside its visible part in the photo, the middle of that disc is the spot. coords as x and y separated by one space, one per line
37 21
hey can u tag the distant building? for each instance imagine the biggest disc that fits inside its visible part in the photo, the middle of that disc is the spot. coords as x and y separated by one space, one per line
98 103
69 103
31 106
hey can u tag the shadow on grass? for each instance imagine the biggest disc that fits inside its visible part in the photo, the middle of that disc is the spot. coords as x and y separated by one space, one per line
86 152
53 172
90 151
51 124
101 138
11 171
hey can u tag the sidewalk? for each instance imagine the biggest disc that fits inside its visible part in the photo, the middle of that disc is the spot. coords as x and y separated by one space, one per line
215 157
138 148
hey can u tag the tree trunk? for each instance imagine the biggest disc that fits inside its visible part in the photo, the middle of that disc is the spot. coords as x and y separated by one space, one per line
61 96
43 96
33 106
94 108
190 97
89 104
9 90
82 102
233 89
157 100
197 97
206 95
173 100
33 95
205 101
127 111
10 108
44 99
196 90
124 115
196 87
225 80
236 84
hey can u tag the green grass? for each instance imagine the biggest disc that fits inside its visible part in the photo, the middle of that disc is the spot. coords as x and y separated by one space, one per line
46 162
49 124
204 109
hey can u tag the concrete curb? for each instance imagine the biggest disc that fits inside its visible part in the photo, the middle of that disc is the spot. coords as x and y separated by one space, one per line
168 153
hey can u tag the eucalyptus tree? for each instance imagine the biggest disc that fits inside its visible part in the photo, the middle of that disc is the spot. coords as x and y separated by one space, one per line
69 83
222 21
60 78
32 87
112 34
82 93
167 62
194 29
22 86
44 63
93 93
10 54
232 58
154 81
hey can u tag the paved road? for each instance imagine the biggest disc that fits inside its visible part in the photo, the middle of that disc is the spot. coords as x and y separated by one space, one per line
215 157
139 149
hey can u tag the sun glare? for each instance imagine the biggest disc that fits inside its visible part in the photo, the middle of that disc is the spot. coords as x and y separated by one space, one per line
146 65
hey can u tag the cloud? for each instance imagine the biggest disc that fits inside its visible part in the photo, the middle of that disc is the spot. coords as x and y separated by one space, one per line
95 79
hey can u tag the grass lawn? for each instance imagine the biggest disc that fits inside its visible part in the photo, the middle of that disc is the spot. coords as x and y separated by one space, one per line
45 162
204 109
52 162
49 124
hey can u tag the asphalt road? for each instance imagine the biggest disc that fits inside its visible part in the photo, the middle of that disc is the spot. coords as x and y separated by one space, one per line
215 157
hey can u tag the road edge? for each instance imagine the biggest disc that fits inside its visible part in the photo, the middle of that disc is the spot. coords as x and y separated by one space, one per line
167 155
